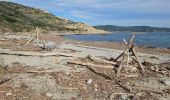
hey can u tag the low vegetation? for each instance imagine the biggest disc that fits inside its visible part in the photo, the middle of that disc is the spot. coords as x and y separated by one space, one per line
19 18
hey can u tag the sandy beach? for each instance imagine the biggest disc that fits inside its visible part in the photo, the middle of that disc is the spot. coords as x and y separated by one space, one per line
35 73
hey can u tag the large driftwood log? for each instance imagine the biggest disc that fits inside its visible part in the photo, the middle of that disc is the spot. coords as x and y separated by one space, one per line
103 61
25 53
90 64
43 71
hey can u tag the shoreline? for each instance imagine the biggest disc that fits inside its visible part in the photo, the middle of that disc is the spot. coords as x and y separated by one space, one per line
151 40
101 44
117 46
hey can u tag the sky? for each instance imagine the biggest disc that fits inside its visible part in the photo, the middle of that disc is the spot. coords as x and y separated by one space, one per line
108 12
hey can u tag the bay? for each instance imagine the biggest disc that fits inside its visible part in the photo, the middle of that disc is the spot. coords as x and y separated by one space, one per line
148 39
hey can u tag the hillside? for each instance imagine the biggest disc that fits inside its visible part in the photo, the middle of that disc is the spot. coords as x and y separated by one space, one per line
131 28
18 18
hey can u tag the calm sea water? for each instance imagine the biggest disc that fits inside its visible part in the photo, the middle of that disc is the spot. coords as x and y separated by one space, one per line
150 39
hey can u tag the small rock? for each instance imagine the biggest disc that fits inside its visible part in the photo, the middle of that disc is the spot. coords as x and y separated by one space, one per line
112 97
166 82
124 97
152 68
95 89
135 97
89 81
95 85
166 90
25 97
49 94
84 88
8 94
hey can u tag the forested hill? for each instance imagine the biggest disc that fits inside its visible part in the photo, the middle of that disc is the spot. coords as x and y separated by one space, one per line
132 28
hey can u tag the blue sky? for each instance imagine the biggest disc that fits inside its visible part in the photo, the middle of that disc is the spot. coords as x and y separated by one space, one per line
112 12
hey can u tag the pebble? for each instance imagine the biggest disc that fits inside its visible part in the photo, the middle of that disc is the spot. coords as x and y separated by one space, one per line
166 82
124 97
8 94
89 81
49 94
95 85
95 90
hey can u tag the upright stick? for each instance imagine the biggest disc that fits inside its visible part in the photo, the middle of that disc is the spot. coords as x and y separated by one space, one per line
37 32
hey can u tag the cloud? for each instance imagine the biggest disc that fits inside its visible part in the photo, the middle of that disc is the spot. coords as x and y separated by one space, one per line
79 14
106 10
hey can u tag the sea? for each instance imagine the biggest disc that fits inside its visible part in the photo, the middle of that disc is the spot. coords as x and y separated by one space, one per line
146 39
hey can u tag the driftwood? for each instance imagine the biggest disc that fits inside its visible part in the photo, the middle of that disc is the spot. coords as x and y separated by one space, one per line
110 78
5 80
157 91
44 71
138 61
127 54
122 86
129 76
25 53
37 36
90 64
98 60
103 61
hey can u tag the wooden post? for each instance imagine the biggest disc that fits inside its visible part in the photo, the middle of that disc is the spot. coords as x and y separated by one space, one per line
120 65
37 37
43 41
37 32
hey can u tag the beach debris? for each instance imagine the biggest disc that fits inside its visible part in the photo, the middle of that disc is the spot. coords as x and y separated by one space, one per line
26 53
6 79
149 89
88 57
147 63
130 69
123 96
129 53
118 82
125 60
90 64
37 37
123 86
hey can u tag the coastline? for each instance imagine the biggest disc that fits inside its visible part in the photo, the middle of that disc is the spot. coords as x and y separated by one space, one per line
117 45
102 44
59 38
